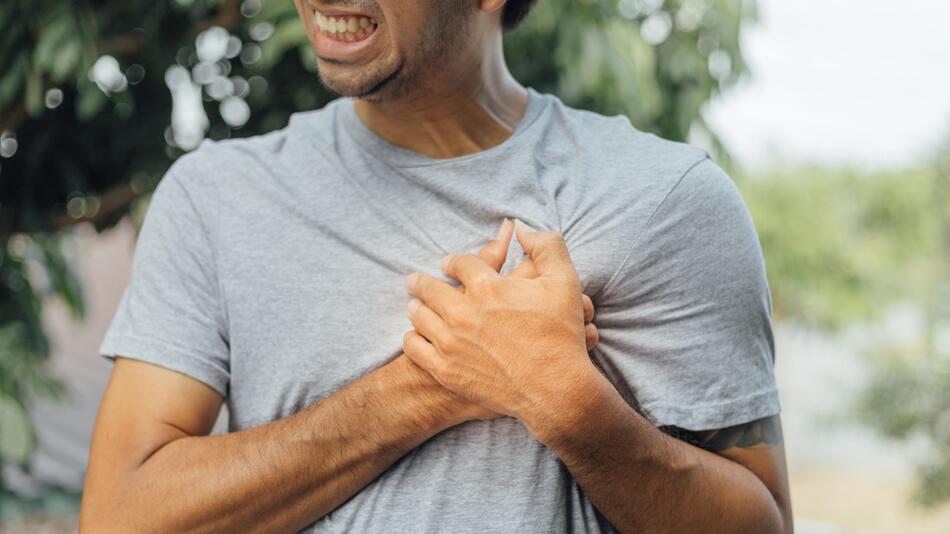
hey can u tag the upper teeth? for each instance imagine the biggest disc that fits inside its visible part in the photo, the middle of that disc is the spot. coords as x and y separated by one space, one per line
346 26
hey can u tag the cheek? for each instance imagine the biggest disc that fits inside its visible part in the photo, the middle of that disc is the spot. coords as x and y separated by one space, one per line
306 16
304 13
406 23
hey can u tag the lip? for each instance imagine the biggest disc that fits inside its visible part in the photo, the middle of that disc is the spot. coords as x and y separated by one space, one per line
330 48
331 11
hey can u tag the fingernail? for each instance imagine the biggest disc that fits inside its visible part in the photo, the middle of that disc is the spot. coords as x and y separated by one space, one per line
411 281
501 229
445 261
413 305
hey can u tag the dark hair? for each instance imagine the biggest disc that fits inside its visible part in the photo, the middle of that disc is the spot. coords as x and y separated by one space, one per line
514 13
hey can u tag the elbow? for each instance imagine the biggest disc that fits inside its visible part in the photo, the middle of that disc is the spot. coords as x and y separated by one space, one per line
768 521
768 517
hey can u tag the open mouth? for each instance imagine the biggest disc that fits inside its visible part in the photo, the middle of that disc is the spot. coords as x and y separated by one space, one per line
345 28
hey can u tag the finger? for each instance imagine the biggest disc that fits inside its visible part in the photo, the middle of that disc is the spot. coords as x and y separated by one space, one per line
525 269
433 292
547 249
468 269
592 337
420 351
495 252
425 321
588 308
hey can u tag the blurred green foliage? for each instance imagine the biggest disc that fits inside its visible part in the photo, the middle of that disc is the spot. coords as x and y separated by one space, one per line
85 114
843 247
909 393
909 397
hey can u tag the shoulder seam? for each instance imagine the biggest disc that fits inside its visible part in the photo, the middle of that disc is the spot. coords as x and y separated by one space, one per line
212 244
647 224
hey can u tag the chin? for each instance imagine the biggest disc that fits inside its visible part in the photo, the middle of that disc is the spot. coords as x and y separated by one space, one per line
377 88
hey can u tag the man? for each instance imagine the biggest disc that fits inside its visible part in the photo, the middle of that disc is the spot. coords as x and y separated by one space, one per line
270 272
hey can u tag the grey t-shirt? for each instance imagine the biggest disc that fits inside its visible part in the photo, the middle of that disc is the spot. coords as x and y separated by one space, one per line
271 268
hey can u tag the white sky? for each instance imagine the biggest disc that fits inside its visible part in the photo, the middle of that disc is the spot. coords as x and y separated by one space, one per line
862 82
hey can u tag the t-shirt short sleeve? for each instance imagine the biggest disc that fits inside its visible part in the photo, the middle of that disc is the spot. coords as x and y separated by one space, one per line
686 321
171 313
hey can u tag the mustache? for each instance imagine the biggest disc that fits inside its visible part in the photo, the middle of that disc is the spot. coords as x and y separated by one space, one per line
369 6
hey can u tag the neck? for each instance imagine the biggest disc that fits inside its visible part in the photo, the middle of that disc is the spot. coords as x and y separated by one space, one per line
478 110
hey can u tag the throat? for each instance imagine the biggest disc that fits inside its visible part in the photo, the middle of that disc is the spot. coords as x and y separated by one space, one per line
452 129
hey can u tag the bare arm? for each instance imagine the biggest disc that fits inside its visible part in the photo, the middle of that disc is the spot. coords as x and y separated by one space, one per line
733 480
153 468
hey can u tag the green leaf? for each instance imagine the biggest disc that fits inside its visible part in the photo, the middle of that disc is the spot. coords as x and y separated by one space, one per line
63 279
277 9
65 63
91 100
50 42
16 436
288 34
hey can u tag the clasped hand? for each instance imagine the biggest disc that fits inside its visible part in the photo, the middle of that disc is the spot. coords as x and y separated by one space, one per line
512 344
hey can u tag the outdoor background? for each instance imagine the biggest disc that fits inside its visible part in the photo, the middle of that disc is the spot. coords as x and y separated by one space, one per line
832 117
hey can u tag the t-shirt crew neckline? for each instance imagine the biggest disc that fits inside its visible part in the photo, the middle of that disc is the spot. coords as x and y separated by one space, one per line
403 157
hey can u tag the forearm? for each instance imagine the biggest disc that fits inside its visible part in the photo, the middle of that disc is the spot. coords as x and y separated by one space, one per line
281 476
645 481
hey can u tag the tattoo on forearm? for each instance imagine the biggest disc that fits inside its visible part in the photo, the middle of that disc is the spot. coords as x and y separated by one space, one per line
760 432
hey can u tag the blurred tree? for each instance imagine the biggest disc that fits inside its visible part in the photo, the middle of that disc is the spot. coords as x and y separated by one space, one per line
909 397
89 123
842 247
909 394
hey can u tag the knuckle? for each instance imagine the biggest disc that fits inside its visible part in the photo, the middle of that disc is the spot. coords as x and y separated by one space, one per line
469 261
443 371
551 237
481 282
409 343
448 344
453 312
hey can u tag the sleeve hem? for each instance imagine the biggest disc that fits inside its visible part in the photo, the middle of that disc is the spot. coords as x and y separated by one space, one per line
165 355
711 416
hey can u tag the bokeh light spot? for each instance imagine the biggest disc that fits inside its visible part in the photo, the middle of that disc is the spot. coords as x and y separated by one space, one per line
212 44
261 31
105 72
235 111
656 28
8 147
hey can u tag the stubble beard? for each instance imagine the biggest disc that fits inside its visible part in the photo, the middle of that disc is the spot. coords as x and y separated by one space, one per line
411 74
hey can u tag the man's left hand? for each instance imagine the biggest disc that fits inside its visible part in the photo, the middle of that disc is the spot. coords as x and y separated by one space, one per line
514 345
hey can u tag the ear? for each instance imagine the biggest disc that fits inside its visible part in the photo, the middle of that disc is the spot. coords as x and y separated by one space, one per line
491 6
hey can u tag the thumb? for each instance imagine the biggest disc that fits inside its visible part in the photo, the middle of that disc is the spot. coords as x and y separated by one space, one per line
547 250
495 252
